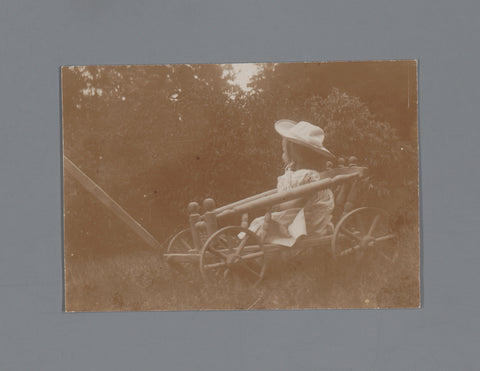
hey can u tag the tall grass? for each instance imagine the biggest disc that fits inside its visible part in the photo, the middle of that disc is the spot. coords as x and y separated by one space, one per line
143 281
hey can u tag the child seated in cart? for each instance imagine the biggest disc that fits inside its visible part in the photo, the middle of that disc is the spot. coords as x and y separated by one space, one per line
304 157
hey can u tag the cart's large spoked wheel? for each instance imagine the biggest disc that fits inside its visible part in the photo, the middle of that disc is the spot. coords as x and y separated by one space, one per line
181 243
365 231
233 253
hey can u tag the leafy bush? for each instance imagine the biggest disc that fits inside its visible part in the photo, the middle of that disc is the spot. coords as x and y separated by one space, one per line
352 130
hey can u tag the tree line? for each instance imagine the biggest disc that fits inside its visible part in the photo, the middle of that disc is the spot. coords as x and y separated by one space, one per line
158 137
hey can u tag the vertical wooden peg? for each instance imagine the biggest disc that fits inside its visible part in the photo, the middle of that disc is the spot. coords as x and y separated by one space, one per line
352 161
266 225
208 204
244 223
209 216
352 194
342 195
194 218
211 220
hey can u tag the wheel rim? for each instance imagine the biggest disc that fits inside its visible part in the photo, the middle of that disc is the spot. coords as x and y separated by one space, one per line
363 231
232 254
181 242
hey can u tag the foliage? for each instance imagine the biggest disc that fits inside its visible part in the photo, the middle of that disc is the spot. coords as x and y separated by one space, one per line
146 134
157 137
387 88
352 130
323 94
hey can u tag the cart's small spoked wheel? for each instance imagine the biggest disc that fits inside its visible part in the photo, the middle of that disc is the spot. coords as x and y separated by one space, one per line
181 243
365 231
233 252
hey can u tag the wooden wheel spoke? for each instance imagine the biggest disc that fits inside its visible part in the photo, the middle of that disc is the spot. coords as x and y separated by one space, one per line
214 265
185 243
230 253
180 243
226 272
230 242
374 224
386 237
254 262
368 235
361 223
386 257
217 253
350 250
253 255
350 233
222 239
224 242
242 244
247 267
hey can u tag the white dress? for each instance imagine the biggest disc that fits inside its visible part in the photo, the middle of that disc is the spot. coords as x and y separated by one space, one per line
288 225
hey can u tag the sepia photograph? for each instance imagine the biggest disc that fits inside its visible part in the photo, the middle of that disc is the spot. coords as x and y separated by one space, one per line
248 186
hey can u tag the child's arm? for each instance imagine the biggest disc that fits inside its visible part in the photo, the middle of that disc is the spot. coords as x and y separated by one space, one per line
308 177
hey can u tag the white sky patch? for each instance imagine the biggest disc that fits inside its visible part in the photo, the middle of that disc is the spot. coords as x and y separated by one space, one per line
91 91
243 72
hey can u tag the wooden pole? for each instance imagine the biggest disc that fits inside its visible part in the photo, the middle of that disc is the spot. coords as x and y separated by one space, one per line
248 199
330 173
109 202
281 197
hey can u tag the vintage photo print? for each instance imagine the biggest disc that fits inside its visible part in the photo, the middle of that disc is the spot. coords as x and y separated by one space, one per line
241 186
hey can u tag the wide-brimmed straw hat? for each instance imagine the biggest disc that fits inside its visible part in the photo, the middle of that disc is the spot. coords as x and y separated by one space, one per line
305 134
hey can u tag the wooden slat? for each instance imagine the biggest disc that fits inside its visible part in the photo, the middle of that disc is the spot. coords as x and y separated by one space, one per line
110 203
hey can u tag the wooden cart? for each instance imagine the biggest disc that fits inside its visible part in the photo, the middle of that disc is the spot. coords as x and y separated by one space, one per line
222 250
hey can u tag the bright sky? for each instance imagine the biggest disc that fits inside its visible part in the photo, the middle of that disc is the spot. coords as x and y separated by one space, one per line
243 72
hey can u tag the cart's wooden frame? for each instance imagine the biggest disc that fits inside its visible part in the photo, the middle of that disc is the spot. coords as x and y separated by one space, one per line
233 250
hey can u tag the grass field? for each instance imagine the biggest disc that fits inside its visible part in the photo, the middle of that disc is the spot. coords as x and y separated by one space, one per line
141 280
